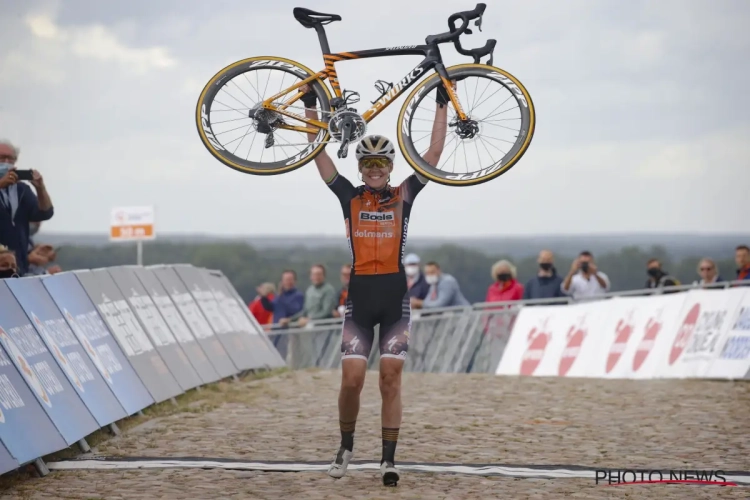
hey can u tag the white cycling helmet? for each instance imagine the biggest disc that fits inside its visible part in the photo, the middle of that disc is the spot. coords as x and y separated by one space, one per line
375 145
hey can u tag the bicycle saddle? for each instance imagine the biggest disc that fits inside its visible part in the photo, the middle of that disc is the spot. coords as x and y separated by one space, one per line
309 18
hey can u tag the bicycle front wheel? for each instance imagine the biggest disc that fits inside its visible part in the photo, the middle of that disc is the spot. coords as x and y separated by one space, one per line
242 135
499 129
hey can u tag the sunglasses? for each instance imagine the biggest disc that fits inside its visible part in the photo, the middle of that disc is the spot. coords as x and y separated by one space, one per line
375 163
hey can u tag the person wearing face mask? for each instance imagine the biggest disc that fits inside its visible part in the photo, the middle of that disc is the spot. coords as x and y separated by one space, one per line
19 206
8 265
658 278
377 217
505 288
415 281
444 289
546 284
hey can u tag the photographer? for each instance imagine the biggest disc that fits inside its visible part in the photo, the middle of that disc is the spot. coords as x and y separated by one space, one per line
19 206
584 278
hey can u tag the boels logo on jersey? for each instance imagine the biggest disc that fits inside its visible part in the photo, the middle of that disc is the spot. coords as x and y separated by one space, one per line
377 218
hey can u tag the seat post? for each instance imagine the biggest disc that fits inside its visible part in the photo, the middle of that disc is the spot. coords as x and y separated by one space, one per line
322 38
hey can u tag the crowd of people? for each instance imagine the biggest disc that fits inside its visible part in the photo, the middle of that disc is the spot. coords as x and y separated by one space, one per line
430 287
24 204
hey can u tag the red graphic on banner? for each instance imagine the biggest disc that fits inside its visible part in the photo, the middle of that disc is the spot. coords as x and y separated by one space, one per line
533 356
575 338
623 331
686 331
653 327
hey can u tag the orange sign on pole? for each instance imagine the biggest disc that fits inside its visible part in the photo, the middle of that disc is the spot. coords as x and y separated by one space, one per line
132 224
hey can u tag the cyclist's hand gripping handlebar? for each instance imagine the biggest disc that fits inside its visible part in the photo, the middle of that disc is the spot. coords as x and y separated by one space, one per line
454 33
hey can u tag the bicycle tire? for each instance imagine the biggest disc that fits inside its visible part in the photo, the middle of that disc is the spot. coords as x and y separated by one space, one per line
211 89
499 168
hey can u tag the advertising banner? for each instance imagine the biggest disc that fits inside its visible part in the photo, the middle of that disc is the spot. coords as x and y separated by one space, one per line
93 334
126 329
153 324
177 325
276 360
36 364
233 342
194 318
248 331
25 428
7 462
67 351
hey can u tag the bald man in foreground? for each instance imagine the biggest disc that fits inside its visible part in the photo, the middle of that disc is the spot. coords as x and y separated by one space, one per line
546 284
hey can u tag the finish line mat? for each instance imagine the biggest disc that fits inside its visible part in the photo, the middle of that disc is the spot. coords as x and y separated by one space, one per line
528 471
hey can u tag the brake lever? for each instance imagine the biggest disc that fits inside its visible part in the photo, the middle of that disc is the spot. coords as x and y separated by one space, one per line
478 22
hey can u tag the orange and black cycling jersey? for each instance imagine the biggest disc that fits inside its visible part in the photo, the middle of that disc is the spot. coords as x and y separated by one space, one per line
376 223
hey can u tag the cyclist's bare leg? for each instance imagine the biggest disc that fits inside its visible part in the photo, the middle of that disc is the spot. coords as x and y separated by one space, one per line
390 392
352 380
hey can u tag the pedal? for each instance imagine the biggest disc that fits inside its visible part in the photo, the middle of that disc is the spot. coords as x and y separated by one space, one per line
380 86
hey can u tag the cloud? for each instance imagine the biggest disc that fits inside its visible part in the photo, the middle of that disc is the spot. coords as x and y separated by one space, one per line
642 118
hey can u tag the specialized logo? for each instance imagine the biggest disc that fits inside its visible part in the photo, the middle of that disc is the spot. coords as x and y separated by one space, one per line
623 330
685 333
394 92
538 341
653 327
401 47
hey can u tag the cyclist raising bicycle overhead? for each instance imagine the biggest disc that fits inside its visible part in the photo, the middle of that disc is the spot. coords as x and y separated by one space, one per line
377 219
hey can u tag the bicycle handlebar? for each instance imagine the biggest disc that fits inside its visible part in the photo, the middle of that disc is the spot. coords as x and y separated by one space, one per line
454 33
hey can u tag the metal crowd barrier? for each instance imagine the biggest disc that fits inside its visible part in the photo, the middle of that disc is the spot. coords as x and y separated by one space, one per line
467 339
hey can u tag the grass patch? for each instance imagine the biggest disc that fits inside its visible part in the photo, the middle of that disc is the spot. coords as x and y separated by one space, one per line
208 398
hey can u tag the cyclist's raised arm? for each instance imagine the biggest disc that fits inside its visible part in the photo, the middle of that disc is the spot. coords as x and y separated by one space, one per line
325 164
439 127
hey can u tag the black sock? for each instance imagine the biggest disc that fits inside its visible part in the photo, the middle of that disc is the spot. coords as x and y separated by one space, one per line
347 434
390 437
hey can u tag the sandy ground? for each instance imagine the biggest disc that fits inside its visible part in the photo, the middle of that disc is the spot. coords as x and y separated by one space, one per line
452 418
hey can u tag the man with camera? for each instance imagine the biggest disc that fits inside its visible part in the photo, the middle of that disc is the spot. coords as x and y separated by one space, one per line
19 206
584 278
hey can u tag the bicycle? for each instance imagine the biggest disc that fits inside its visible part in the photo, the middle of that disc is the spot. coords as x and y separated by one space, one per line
340 123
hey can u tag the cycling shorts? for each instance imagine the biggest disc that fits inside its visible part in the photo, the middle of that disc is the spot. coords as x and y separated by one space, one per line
382 300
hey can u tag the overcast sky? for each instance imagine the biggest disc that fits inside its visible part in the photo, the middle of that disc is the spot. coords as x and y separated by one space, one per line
643 112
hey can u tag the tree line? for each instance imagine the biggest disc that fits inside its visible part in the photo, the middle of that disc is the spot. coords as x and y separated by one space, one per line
247 266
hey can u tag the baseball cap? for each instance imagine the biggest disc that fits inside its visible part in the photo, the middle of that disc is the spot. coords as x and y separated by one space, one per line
412 258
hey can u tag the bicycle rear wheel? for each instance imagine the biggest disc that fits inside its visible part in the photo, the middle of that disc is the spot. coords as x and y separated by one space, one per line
241 142
498 133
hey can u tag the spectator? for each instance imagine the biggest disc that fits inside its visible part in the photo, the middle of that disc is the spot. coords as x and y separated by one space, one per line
346 274
415 280
658 278
546 284
288 303
40 256
584 278
8 265
320 297
708 271
742 259
444 289
19 206
506 287
263 315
